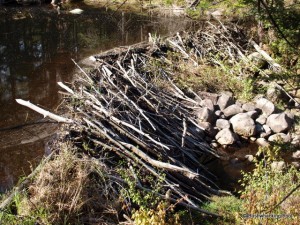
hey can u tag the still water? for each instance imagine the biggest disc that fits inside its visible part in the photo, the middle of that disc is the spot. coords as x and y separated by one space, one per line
36 48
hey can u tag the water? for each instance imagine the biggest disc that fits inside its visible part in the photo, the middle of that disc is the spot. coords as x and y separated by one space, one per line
36 48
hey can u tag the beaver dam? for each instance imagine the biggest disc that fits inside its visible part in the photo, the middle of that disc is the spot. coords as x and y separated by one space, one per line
135 133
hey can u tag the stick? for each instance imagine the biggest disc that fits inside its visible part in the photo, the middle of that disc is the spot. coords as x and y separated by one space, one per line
44 112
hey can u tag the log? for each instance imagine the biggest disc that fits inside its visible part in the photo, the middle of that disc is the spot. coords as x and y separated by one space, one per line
45 113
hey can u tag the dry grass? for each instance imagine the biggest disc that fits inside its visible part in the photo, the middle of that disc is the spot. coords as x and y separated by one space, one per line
72 190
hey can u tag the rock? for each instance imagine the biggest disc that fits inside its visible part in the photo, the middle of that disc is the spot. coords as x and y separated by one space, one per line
226 137
296 164
205 115
243 125
273 93
76 11
252 139
218 13
207 95
253 114
224 101
266 131
257 59
249 158
279 122
262 119
278 166
296 154
222 124
209 128
296 140
262 142
207 103
214 145
266 106
249 107
280 137
232 110
218 113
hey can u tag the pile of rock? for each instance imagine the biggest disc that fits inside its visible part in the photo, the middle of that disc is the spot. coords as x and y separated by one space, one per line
228 121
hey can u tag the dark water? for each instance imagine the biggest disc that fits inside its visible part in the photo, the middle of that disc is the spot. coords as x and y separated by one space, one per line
36 48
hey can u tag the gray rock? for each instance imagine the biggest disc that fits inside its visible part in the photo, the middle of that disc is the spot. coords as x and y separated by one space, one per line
266 131
262 119
222 124
280 137
253 114
249 107
279 122
273 92
266 106
226 137
296 154
249 158
207 103
209 128
257 59
262 142
252 139
232 110
214 145
205 115
224 101
296 140
278 166
243 125
218 113
207 95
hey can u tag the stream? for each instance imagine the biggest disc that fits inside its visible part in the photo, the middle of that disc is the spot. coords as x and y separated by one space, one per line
36 50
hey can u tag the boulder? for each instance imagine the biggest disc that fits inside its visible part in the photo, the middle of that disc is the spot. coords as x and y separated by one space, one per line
232 110
207 95
205 115
226 137
277 166
262 119
209 128
280 137
249 158
257 59
296 154
207 103
222 124
279 122
253 114
224 101
249 107
266 131
243 125
262 142
218 113
273 92
266 106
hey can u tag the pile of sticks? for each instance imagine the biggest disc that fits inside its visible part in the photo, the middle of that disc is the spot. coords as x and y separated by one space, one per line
124 110
121 107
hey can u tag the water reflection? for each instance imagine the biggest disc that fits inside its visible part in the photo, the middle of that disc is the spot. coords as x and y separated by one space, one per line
36 48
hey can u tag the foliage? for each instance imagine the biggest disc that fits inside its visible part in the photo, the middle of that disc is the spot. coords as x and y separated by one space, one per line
161 215
266 187
229 207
